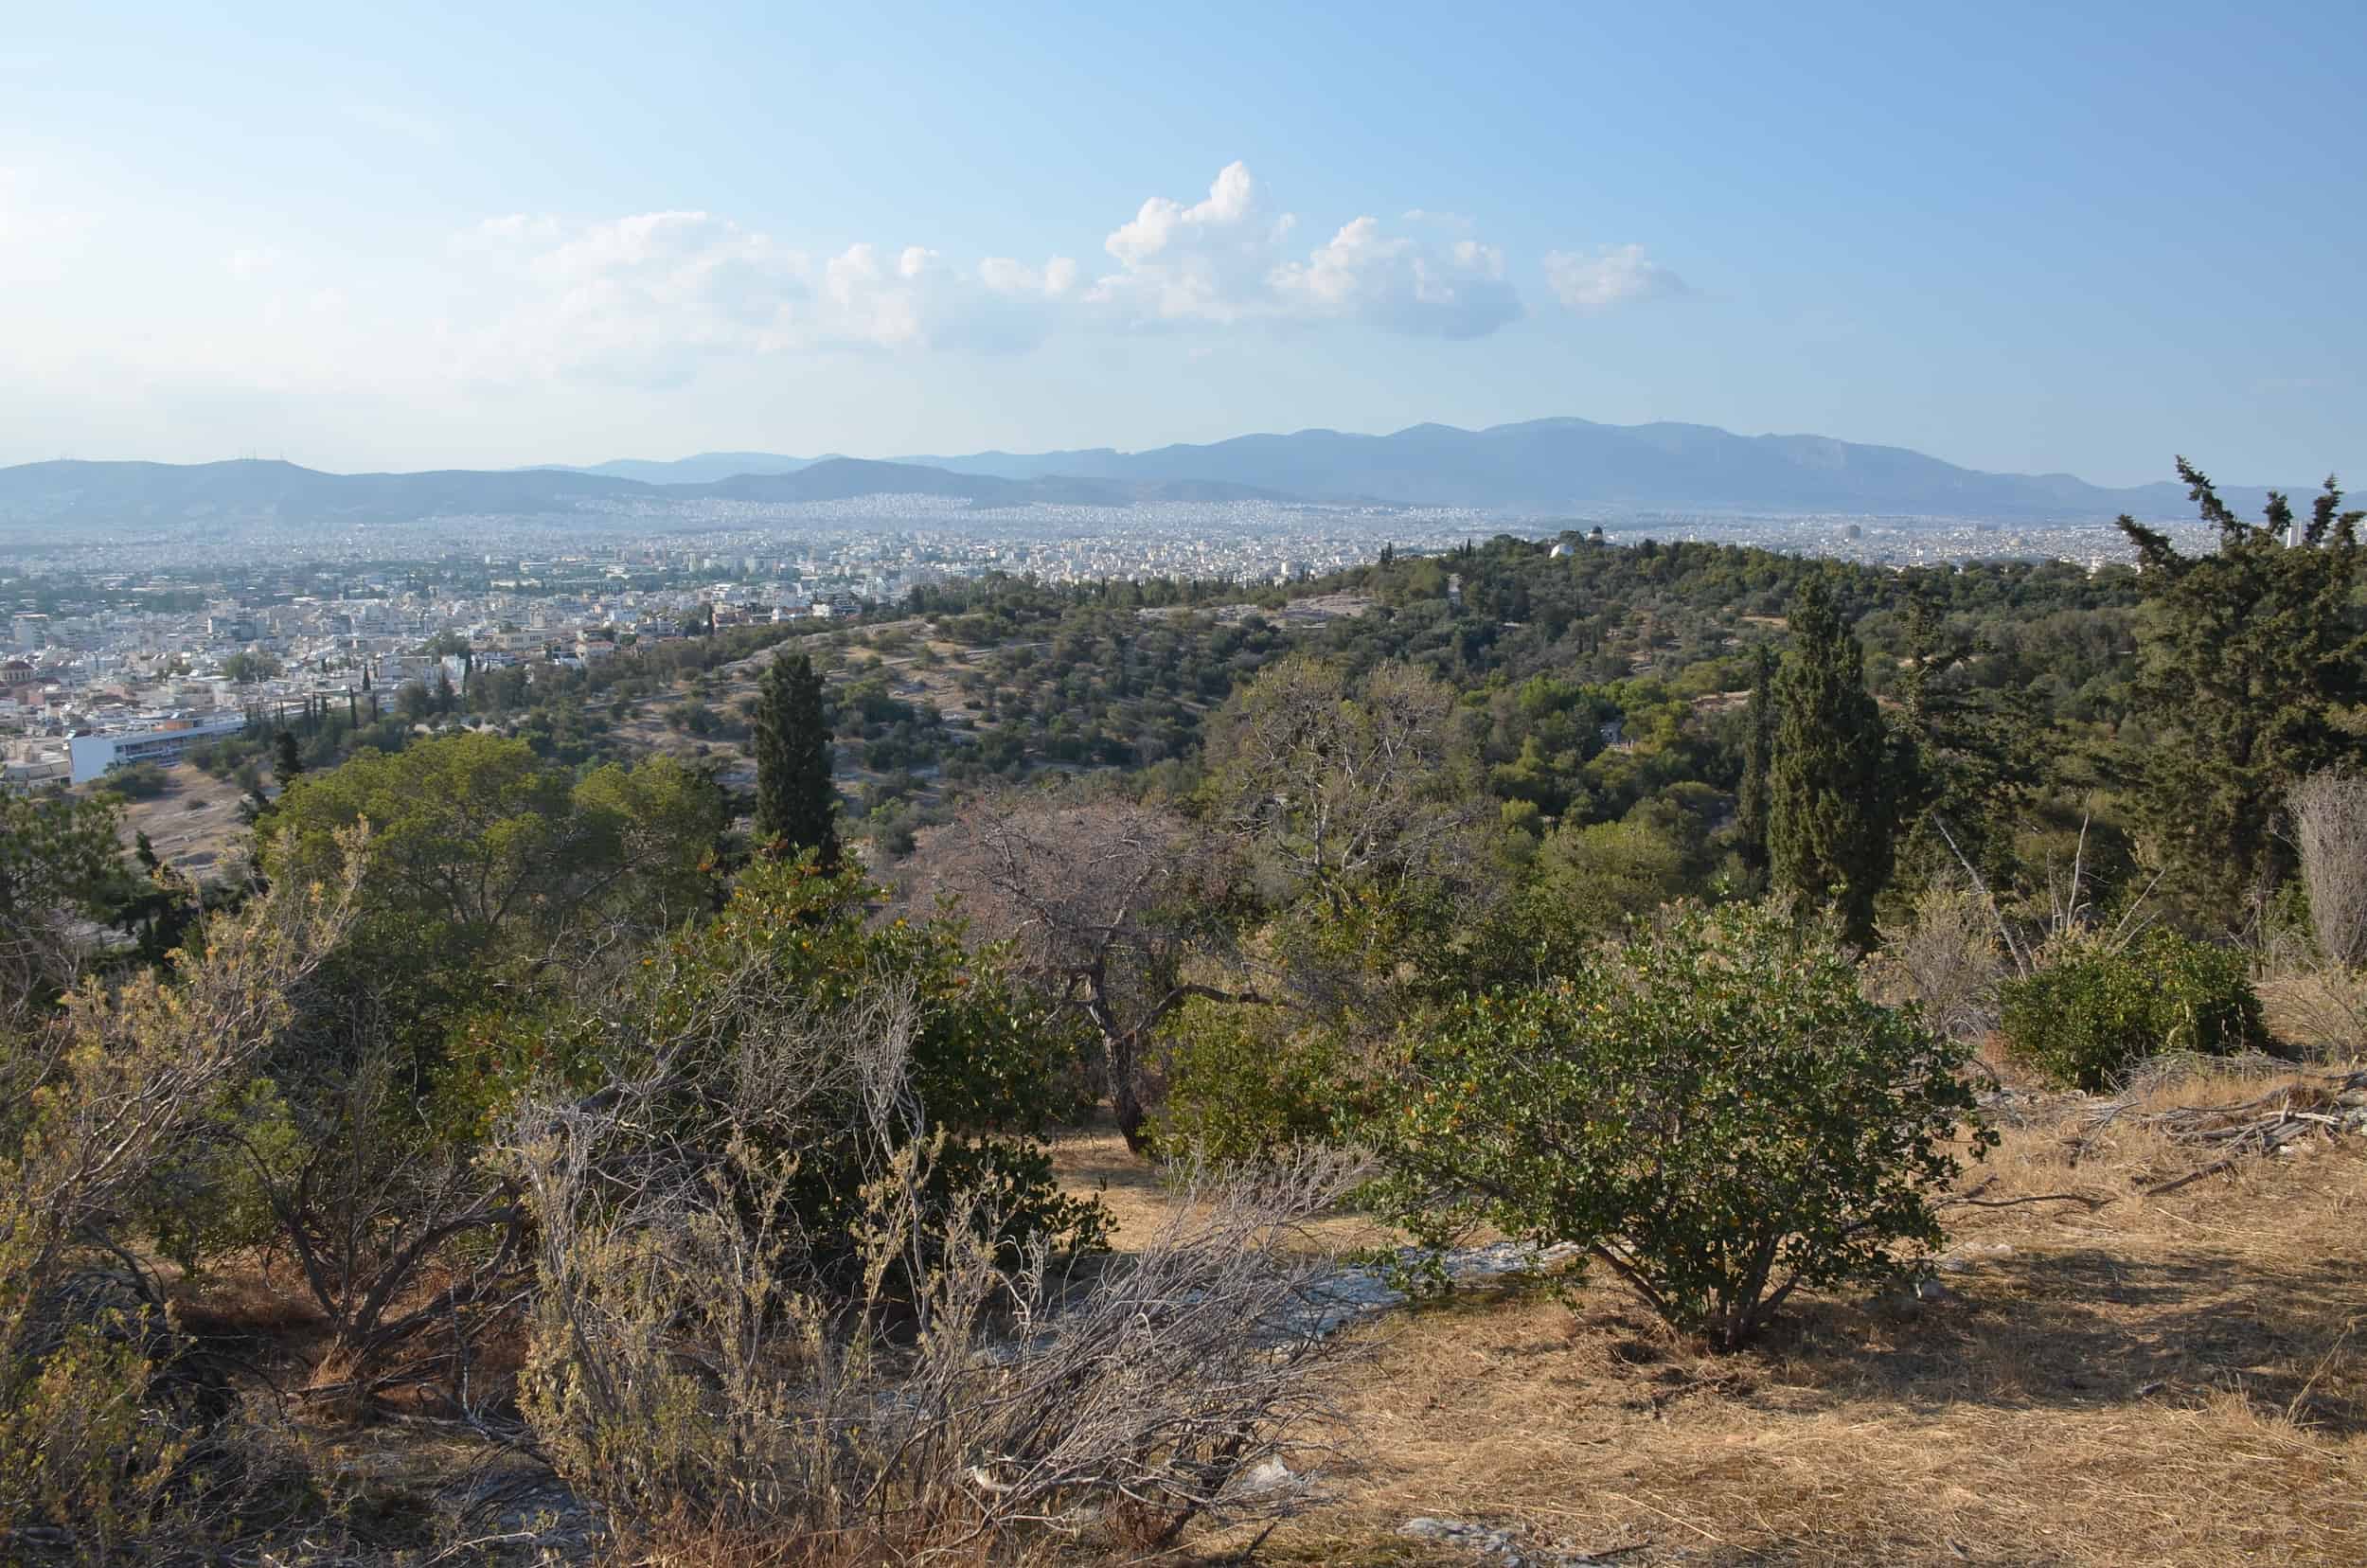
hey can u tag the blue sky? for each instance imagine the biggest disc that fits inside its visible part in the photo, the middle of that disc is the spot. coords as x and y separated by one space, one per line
2076 237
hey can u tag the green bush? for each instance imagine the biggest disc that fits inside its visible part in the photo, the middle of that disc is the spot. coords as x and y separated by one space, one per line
138 780
2089 1017
1717 1113
1242 1088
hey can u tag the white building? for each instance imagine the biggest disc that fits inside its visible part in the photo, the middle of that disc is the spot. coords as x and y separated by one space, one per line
93 754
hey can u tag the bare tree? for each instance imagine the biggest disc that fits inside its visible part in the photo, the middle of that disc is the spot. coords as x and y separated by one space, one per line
401 1238
1111 904
2330 830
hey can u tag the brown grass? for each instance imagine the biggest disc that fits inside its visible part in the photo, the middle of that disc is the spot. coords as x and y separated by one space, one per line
2179 1379
194 824
1093 1161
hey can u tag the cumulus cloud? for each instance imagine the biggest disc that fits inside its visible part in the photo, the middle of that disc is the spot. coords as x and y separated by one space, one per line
662 298
1610 277
1208 263
1163 223
1402 285
1224 260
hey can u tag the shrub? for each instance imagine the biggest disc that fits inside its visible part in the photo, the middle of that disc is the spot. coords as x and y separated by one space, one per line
2330 829
1716 1114
1240 1087
1945 958
138 780
97 1425
976 1071
697 1351
2096 1011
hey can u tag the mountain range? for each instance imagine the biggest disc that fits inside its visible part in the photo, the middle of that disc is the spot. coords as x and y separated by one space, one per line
1543 467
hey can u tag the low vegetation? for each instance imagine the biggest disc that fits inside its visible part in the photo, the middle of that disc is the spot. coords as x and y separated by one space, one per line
1896 1063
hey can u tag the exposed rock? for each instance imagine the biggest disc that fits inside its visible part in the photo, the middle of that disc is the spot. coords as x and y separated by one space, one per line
1499 1547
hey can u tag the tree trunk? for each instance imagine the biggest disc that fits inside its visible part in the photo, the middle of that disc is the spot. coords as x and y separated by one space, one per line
1119 1052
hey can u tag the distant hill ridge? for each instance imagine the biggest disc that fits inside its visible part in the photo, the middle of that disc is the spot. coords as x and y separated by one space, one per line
1543 466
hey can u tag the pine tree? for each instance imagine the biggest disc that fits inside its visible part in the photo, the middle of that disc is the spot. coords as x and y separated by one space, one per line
1829 807
1970 759
287 759
796 805
1758 751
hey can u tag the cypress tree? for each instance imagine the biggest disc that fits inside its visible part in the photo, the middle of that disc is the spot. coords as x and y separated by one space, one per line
1829 808
286 759
1758 752
796 805
2250 661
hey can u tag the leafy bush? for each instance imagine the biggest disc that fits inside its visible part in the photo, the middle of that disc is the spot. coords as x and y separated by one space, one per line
1717 1115
1242 1088
138 780
974 1070
2095 1013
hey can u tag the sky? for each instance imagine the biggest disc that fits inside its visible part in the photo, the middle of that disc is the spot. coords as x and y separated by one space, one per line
2031 239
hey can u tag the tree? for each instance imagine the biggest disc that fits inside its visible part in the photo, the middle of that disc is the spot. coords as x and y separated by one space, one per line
1967 760
94 1111
1111 904
287 757
1717 1115
1598 875
59 858
2246 659
1758 752
797 804
1829 809
248 665
1331 784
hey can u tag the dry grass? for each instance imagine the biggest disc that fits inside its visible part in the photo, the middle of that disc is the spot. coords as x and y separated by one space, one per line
194 824
1093 1161
2318 1007
2180 1379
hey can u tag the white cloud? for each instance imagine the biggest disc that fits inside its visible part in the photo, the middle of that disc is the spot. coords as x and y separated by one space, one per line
667 298
1209 262
1610 277
1222 262
1004 276
1162 222
1403 285
645 298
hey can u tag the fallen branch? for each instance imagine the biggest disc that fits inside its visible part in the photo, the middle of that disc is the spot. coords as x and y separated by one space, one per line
2089 1198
